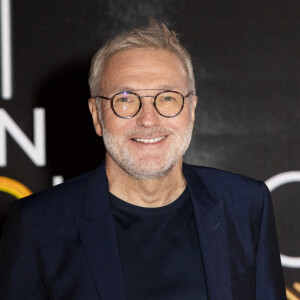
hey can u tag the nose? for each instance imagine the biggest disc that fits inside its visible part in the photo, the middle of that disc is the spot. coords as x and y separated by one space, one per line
148 116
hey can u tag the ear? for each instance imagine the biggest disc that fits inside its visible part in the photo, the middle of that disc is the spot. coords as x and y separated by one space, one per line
193 106
94 113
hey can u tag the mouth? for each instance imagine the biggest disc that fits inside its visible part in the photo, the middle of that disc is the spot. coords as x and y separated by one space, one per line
150 141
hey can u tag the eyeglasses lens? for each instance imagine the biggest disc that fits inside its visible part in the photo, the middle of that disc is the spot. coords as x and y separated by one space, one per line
169 103
126 105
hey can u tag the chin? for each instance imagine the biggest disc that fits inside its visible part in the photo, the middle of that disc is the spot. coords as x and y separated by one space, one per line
147 170
146 174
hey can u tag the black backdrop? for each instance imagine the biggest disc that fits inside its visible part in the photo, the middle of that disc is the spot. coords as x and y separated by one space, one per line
246 63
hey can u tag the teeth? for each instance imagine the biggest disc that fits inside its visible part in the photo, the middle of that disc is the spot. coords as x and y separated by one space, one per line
150 141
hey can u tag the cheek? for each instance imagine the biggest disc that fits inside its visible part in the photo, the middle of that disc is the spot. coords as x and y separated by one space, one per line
185 117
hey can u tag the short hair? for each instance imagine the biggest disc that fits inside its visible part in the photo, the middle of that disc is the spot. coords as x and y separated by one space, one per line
156 35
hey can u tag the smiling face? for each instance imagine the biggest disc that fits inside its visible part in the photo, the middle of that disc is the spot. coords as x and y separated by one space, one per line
148 145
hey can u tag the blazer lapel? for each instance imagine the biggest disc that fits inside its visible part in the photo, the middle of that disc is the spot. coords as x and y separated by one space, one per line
211 225
96 230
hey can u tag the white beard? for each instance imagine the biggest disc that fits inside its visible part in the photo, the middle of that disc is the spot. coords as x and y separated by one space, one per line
152 168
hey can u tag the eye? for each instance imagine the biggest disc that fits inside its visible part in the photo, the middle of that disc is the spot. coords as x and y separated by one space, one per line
123 100
126 100
167 98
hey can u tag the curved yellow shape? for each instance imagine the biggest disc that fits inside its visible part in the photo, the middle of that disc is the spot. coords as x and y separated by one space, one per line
13 187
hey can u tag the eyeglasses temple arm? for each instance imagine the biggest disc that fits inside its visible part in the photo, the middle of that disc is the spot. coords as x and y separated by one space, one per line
102 97
188 95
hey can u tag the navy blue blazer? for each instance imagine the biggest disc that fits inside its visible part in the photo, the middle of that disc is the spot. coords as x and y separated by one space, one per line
61 243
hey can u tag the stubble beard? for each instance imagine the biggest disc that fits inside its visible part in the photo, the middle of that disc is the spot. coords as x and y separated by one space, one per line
148 169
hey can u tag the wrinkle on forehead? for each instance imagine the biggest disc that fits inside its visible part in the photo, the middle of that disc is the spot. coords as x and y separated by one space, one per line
143 68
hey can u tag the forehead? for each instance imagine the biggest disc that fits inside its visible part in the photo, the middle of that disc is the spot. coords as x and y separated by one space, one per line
144 69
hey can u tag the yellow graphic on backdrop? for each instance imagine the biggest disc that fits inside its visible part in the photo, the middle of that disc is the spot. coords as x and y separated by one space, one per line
14 187
291 295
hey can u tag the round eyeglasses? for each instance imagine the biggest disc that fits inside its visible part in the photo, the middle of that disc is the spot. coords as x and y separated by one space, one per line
127 104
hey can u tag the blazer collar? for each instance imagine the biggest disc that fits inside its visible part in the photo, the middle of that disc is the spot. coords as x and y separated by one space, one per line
212 234
96 230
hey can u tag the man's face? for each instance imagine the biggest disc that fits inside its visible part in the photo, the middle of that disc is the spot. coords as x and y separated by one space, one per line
148 145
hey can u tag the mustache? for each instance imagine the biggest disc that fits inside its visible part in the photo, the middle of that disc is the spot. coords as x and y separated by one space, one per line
149 132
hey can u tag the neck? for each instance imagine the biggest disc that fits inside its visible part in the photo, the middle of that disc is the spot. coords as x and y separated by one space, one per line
146 193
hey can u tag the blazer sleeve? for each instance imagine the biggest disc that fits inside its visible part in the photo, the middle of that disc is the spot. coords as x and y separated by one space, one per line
269 276
19 276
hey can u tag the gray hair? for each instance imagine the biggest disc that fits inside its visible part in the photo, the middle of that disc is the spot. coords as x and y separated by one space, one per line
156 36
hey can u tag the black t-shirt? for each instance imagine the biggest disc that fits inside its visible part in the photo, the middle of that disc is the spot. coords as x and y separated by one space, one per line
159 250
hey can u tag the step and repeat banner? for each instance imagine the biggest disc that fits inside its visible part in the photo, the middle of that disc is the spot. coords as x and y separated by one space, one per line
246 62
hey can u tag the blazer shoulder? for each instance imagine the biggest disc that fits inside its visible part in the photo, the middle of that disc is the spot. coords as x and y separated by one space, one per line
232 188
59 203
244 199
224 177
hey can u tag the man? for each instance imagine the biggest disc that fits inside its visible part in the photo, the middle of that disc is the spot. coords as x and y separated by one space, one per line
144 225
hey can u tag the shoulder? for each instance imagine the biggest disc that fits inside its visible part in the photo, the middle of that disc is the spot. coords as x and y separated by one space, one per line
58 204
224 178
245 201
236 191
220 179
